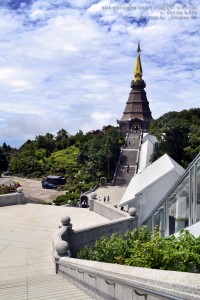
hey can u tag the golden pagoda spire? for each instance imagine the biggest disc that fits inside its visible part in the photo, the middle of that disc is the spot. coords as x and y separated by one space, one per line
138 66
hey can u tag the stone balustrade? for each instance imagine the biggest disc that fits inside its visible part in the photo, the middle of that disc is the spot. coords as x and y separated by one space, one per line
117 282
60 241
13 199
65 238
111 281
105 210
78 239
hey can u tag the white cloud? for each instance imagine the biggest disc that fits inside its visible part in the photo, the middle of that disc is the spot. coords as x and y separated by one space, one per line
70 66
80 3
14 78
37 15
100 116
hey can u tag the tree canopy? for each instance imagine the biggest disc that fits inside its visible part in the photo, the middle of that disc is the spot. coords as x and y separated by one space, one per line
5 155
93 154
178 134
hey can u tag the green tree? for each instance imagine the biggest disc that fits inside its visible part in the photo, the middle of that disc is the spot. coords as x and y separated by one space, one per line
62 139
193 147
5 155
178 135
99 153
47 142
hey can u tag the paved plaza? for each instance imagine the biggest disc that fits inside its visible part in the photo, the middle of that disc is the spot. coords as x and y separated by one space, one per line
26 264
115 194
33 190
27 270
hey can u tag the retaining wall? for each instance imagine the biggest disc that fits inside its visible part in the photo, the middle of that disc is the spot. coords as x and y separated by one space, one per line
106 210
116 282
77 239
12 199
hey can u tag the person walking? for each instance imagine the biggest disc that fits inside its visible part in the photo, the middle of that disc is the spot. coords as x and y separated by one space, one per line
108 199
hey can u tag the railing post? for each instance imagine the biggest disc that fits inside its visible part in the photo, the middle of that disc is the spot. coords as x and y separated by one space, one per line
92 198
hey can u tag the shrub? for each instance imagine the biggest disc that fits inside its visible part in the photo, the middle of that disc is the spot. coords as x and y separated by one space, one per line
72 189
63 199
4 190
138 248
111 250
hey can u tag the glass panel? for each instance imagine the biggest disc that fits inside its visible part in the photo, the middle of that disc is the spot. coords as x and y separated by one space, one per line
159 220
198 192
179 206
149 224
192 196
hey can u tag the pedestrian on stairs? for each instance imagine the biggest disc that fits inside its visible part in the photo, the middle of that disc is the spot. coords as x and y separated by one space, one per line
108 199
104 199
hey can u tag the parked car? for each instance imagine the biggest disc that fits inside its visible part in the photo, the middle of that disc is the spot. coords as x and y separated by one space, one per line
53 182
48 185
7 173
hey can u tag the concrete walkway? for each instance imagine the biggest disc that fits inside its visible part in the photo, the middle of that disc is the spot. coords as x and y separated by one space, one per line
26 264
115 194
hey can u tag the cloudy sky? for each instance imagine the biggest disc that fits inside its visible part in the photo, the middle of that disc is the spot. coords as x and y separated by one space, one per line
69 64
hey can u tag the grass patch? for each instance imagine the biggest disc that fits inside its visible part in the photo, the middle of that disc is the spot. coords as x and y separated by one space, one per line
67 156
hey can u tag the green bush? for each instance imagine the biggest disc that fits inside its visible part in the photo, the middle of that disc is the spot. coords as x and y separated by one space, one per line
138 248
4 190
72 189
63 199
8 189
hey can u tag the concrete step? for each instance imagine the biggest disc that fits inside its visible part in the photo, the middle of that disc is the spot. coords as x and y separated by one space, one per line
129 157
124 176
133 141
121 182
45 287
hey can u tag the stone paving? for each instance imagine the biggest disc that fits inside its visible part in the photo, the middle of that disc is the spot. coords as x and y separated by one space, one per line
26 264
32 189
115 194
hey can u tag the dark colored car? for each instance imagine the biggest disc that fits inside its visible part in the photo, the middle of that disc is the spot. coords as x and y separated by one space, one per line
53 182
49 185
7 173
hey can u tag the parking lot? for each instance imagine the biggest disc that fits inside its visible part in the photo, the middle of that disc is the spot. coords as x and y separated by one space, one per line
32 188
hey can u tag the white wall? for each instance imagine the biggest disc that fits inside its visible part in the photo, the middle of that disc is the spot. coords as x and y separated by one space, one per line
153 194
152 138
147 149
12 199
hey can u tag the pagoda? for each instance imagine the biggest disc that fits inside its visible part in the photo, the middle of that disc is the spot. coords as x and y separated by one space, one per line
137 114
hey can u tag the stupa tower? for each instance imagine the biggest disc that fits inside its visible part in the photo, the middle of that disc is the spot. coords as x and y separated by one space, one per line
137 114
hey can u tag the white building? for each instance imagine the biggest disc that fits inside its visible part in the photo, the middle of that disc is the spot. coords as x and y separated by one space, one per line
180 207
147 188
146 151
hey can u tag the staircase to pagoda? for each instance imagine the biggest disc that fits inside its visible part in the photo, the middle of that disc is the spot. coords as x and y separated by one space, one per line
127 164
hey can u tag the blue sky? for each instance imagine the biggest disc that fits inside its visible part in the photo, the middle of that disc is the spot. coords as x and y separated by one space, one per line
69 64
